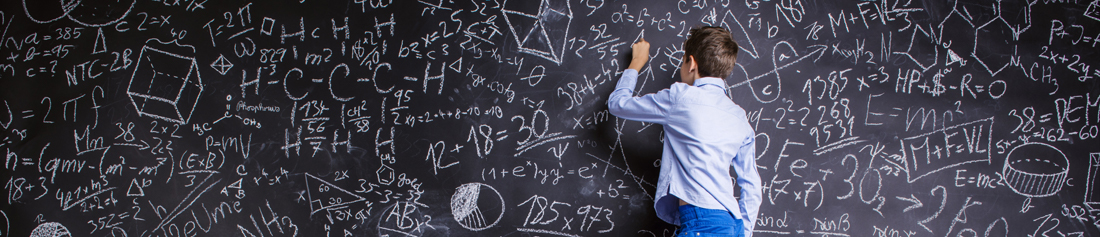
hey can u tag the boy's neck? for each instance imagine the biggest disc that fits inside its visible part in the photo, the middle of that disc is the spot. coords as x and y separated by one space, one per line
690 80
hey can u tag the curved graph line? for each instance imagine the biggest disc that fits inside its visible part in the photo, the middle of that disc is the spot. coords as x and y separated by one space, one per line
127 13
64 8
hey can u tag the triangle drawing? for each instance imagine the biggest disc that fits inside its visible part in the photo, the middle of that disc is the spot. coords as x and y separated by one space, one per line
325 196
135 189
100 43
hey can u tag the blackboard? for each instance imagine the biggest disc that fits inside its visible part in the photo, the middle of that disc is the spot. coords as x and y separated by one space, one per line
489 118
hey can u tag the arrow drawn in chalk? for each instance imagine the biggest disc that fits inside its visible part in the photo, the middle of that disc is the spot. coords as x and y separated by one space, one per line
916 202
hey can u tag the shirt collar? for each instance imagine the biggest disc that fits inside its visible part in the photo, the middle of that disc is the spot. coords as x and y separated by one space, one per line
710 81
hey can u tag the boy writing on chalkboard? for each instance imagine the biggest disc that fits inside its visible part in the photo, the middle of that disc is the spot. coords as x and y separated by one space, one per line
705 134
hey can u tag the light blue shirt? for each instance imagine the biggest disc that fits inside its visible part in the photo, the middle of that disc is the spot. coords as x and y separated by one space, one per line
705 134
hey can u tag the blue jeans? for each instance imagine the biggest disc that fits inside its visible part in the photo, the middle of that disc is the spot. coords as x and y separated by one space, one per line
696 221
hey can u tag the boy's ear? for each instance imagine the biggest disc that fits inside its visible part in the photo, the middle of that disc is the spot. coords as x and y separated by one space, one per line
691 64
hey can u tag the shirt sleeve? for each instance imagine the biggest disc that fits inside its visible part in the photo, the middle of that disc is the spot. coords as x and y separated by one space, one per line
651 108
749 180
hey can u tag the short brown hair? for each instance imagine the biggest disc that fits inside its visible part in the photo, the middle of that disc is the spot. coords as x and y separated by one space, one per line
714 51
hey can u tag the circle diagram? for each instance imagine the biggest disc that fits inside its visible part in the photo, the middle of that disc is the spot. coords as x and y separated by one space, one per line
1035 170
50 229
88 13
473 203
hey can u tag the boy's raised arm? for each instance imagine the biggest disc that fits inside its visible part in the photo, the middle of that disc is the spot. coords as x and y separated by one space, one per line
640 56
622 103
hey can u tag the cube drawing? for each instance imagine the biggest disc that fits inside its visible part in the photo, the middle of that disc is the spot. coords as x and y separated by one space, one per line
165 85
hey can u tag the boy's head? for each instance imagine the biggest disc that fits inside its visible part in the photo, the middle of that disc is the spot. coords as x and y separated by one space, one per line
708 52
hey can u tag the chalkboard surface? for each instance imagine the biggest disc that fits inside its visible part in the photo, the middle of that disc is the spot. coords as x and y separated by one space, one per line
489 118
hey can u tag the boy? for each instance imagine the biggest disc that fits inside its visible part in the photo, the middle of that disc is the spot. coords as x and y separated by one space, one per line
705 134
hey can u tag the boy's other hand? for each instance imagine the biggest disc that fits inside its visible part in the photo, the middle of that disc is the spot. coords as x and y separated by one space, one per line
640 56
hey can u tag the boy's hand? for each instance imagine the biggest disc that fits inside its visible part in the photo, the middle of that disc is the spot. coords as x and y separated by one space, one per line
641 55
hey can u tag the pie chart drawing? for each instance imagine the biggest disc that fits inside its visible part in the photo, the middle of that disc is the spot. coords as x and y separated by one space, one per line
477 206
